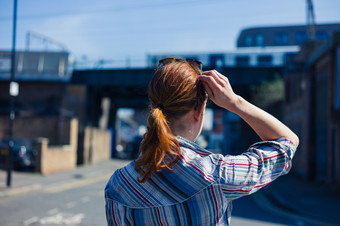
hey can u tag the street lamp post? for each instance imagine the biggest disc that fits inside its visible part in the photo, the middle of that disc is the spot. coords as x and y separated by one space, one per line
12 99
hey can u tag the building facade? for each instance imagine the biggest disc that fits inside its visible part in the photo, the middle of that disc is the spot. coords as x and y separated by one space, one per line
257 47
312 110
283 35
241 57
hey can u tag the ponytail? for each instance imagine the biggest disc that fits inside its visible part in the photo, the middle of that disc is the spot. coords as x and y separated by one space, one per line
157 142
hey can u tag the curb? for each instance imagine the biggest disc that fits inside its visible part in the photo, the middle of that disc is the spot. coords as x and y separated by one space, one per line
20 190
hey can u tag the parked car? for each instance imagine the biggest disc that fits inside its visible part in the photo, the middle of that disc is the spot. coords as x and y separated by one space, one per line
24 153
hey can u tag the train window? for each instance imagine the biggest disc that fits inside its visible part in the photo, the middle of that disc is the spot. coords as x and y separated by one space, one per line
216 60
281 38
321 35
264 60
242 61
248 40
259 40
300 37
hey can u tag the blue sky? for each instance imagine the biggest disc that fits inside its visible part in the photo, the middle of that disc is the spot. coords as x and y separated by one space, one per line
130 29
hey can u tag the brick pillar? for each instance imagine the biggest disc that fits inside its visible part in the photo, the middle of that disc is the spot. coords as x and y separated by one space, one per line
41 147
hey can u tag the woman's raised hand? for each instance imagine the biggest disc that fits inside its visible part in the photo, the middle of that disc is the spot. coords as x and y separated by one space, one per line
219 89
264 124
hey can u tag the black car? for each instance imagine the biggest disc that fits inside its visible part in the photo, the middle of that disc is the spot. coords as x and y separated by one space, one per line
24 153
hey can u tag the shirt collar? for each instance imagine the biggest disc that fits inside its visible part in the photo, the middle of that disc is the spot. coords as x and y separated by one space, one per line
193 146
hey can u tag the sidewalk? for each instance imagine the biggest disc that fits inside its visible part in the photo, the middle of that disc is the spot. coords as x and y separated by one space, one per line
24 182
306 199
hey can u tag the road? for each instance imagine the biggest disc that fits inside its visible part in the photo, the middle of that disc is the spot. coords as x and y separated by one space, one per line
246 211
82 203
63 205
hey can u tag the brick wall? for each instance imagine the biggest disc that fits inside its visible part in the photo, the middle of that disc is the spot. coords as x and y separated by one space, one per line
97 145
55 128
297 118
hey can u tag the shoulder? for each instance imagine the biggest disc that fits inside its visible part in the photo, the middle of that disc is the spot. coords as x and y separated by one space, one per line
199 161
119 177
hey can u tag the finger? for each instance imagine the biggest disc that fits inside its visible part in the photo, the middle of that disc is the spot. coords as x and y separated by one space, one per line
210 80
220 76
224 78
211 75
216 76
208 89
206 72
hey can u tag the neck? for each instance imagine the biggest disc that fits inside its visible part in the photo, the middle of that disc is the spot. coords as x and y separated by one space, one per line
185 127
189 135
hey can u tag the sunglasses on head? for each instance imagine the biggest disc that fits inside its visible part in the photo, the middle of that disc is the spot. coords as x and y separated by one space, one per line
194 62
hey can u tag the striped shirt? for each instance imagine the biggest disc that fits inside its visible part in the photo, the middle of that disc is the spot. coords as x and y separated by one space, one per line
200 188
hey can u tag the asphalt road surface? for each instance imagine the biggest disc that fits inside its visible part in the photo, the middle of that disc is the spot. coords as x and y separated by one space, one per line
83 204
61 205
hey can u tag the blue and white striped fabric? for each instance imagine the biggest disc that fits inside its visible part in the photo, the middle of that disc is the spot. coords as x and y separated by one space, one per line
199 189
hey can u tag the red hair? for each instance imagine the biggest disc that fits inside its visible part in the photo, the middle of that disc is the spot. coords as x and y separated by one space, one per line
173 91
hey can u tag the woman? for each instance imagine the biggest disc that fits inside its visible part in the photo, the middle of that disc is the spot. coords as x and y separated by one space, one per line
176 182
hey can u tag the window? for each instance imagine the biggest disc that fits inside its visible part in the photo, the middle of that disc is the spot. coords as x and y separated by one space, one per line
242 61
264 61
216 60
259 40
321 35
281 38
300 37
248 40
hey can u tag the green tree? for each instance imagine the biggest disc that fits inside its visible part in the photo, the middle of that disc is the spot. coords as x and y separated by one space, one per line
269 93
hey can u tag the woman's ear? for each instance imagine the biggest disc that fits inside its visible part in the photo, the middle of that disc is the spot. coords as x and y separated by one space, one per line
198 113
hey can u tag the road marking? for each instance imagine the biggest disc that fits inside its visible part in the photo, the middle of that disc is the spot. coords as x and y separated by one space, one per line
63 218
85 199
53 211
75 184
31 220
56 184
20 190
70 204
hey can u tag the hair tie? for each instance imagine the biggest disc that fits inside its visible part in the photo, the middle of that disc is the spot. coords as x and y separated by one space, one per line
160 106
